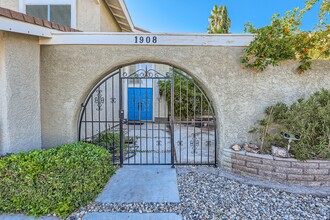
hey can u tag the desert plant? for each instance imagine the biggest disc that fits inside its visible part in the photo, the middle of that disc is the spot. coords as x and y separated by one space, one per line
219 21
308 118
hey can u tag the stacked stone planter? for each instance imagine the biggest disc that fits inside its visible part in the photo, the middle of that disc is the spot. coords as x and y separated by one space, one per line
284 170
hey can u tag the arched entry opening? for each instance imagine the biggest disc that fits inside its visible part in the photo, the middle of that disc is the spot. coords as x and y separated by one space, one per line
150 113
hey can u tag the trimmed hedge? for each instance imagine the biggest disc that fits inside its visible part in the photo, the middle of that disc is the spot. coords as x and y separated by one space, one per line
58 180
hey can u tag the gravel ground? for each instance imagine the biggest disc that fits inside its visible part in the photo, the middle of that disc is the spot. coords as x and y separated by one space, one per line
209 196
206 195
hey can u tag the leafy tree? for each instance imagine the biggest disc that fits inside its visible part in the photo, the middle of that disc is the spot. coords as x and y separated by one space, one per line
284 40
189 101
219 21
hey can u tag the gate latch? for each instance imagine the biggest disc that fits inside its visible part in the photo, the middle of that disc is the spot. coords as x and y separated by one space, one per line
121 114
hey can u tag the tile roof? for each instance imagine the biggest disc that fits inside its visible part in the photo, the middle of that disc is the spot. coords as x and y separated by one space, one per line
4 12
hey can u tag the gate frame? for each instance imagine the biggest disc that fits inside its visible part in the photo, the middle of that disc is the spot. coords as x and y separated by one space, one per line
118 71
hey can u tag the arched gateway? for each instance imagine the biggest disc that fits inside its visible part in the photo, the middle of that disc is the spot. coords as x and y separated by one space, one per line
150 114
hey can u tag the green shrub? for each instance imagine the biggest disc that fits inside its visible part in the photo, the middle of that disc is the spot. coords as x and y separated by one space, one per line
308 118
187 96
107 139
110 140
58 180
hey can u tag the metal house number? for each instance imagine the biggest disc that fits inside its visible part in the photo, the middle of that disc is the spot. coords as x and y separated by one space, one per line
143 39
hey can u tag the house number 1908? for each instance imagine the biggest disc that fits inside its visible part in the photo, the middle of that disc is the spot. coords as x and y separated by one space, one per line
148 40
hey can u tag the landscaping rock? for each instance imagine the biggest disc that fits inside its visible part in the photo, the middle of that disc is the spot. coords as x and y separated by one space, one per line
207 195
280 152
251 148
245 145
236 147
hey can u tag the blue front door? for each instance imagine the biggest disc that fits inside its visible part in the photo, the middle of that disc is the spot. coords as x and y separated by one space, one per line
140 104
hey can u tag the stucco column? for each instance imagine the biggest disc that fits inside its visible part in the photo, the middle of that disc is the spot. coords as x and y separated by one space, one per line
20 124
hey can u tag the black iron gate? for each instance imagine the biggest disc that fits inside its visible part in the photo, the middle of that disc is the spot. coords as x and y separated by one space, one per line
147 117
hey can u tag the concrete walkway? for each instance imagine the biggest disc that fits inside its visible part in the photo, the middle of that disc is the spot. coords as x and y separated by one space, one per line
141 184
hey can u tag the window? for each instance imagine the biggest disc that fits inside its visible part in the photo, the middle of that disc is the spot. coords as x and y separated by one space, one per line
60 14
39 11
59 11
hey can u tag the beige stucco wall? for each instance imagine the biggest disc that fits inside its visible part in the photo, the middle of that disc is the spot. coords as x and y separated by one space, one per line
68 73
20 125
10 4
94 16
3 99
107 21
88 15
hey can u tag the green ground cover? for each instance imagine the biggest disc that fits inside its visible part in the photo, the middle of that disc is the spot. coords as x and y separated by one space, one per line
55 181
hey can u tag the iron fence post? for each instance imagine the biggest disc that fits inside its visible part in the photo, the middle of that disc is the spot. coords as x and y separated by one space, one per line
172 118
121 119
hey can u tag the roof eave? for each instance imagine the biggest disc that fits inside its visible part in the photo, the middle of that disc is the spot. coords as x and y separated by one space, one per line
16 26
124 20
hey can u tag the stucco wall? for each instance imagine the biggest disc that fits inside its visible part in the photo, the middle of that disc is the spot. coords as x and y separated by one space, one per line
68 73
107 21
20 93
10 4
88 15
94 16
3 100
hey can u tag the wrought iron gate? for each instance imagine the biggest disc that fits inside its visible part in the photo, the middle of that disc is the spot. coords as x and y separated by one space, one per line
148 117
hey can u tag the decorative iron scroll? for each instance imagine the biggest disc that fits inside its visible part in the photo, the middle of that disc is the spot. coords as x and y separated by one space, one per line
112 100
146 73
208 143
194 143
158 143
99 100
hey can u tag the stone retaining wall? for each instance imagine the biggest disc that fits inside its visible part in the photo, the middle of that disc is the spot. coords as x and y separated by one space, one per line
267 167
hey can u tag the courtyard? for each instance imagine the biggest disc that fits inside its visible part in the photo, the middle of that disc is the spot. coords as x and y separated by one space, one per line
151 144
101 119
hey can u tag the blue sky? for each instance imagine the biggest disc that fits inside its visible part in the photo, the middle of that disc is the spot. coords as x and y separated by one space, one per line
191 16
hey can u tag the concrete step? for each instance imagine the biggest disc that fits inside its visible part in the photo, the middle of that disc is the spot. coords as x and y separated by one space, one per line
140 183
